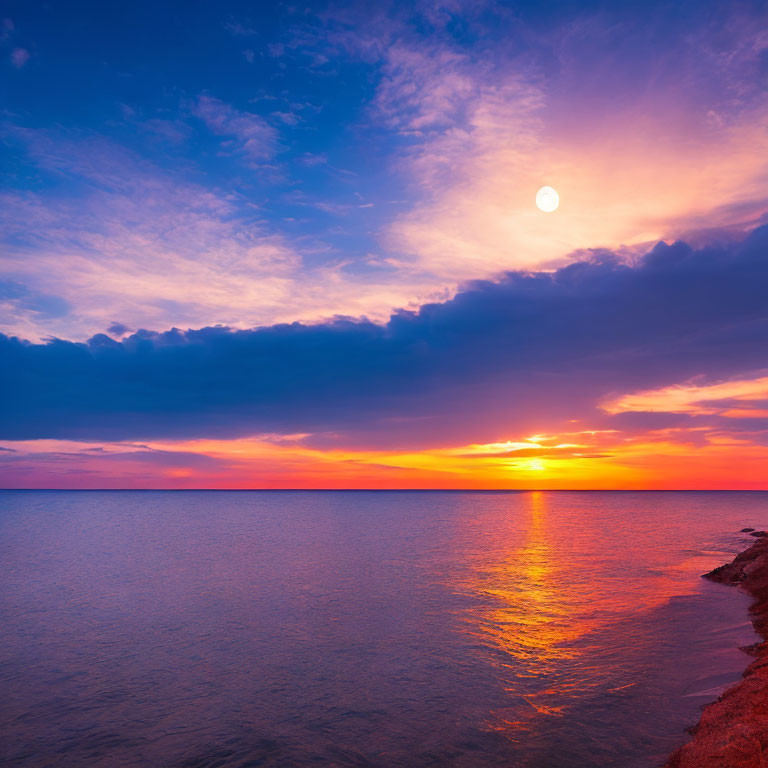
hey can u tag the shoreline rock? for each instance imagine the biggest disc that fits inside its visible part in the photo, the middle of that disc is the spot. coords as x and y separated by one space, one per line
733 731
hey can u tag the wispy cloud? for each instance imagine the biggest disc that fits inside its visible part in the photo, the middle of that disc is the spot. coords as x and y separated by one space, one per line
7 28
463 109
19 57
134 242
121 237
635 156
423 90
245 133
738 398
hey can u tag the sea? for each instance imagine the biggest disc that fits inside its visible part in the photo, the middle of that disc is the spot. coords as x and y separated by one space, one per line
234 629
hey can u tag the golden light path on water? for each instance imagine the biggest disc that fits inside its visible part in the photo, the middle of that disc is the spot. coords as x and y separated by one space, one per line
533 622
548 604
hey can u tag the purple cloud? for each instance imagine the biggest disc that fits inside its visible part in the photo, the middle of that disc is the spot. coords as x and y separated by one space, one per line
19 57
118 329
529 348
247 134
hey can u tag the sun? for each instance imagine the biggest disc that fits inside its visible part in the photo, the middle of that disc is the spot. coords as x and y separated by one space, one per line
547 199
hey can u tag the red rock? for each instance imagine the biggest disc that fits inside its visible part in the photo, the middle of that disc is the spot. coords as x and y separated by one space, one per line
733 731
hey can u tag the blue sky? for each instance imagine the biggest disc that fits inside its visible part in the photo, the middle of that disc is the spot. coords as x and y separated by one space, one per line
205 96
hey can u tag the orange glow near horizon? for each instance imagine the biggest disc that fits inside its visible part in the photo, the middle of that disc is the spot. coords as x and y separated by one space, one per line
589 459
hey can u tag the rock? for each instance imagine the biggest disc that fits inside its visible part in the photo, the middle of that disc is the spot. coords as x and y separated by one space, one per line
758 534
733 731
747 530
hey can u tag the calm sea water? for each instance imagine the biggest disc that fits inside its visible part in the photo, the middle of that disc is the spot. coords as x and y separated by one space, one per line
234 629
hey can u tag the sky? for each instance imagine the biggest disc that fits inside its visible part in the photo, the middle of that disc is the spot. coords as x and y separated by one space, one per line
267 245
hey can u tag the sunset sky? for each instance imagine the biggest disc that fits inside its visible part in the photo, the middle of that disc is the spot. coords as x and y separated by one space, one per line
267 245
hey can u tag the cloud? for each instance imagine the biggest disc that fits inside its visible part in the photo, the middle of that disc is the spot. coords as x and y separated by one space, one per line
128 238
118 329
113 234
422 90
19 57
249 135
7 28
17 297
65 465
739 398
464 111
25 308
529 350
594 107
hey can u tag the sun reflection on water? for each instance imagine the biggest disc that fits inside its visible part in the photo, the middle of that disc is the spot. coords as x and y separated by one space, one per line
562 598
534 616
529 623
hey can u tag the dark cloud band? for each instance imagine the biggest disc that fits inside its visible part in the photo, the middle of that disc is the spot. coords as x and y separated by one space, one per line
529 347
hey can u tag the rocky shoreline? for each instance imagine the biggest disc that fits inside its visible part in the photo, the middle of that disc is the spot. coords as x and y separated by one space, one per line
733 731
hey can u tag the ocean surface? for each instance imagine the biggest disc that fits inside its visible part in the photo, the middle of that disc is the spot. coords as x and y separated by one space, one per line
242 629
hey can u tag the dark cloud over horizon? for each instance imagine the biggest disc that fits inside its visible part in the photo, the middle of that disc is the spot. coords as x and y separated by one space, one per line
530 348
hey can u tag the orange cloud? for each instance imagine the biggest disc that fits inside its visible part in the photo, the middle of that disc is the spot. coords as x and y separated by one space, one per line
698 399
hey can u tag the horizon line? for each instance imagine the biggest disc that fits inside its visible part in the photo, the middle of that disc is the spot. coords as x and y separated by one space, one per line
395 490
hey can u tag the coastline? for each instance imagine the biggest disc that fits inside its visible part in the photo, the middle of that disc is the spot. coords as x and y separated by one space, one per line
733 730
